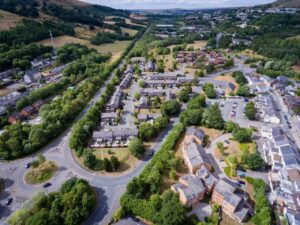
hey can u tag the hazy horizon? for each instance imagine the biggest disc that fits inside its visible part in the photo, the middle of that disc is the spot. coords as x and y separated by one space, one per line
171 4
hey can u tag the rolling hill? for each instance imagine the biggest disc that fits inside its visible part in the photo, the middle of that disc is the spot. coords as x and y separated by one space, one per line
67 10
287 3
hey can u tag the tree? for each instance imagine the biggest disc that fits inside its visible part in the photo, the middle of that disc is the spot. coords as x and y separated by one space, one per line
253 161
114 161
197 102
170 108
239 77
137 95
172 212
242 135
23 102
136 148
106 165
243 90
72 204
250 111
89 159
184 95
230 126
209 90
142 84
191 117
213 117
210 68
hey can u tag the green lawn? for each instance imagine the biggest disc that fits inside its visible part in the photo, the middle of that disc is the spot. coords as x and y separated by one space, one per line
127 161
42 173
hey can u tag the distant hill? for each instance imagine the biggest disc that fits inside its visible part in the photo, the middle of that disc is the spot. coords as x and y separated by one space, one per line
67 10
286 3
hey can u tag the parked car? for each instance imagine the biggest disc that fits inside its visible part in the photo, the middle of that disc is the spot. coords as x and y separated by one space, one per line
241 182
8 201
27 165
47 185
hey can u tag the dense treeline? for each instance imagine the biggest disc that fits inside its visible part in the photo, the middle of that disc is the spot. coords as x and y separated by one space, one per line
31 31
280 45
149 130
129 26
70 52
165 209
107 37
25 8
21 56
263 213
70 15
42 93
71 205
55 116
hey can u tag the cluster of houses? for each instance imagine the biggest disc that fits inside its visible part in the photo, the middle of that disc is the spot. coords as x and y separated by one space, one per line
189 56
117 137
26 113
200 182
282 154
113 135
166 80
265 108
144 65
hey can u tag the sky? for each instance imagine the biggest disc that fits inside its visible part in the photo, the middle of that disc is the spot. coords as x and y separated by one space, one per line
170 4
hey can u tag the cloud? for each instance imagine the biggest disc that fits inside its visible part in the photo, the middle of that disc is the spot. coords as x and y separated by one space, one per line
165 4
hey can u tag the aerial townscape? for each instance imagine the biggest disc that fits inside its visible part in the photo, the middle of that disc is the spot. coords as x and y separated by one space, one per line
138 116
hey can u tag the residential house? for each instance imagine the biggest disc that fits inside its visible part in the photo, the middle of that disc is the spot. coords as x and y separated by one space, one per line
279 149
108 118
190 188
147 117
143 103
233 204
150 66
32 76
27 111
292 102
15 117
116 101
194 134
126 81
194 156
266 109
38 104
117 137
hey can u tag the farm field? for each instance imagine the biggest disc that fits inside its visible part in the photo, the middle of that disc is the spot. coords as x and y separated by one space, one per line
131 32
115 48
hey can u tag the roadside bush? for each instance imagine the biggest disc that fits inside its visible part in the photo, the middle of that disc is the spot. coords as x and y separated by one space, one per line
164 210
136 148
242 135
263 213
170 108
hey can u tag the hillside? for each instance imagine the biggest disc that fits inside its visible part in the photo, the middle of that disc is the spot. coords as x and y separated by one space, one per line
67 10
287 3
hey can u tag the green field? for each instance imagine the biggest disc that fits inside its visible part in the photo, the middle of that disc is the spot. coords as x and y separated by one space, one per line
42 173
